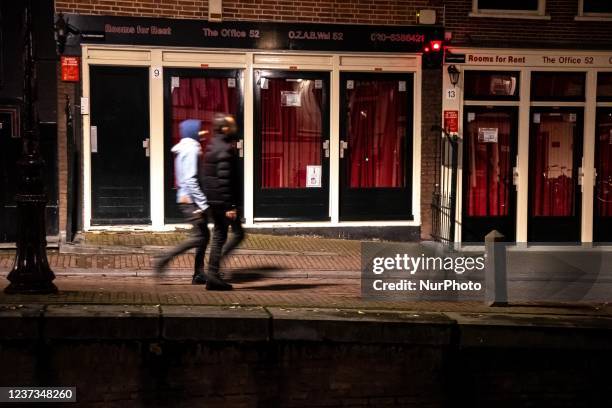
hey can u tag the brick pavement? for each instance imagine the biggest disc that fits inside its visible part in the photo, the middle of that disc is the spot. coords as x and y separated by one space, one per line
266 271
257 251
260 291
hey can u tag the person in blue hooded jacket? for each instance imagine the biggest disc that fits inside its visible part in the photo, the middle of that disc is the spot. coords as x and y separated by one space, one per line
190 198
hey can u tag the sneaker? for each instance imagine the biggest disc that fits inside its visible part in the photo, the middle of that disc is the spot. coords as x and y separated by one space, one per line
216 283
198 279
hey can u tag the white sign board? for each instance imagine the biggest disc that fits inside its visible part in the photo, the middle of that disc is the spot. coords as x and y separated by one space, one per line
313 176
487 135
93 137
291 98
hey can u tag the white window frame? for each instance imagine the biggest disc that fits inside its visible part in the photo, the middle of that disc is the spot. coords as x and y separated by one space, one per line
539 14
582 16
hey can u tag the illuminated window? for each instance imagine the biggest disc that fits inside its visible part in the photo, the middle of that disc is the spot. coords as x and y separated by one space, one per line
491 85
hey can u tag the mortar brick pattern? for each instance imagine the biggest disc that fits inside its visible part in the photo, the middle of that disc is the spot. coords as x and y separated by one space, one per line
337 11
562 30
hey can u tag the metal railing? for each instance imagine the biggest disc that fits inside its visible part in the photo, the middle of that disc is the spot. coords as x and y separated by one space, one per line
444 198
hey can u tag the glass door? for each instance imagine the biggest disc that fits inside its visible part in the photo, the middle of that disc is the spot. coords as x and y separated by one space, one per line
555 154
291 145
376 146
196 94
489 156
603 167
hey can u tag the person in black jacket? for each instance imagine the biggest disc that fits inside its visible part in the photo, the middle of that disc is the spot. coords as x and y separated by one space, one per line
221 186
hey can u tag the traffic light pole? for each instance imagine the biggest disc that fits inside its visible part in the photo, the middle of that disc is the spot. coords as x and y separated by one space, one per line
31 272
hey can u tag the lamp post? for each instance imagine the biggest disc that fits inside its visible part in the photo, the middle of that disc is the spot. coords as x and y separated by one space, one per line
31 272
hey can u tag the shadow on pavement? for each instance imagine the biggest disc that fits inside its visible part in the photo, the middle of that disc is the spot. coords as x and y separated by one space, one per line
287 286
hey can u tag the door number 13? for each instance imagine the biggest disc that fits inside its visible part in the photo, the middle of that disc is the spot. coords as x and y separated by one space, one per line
451 94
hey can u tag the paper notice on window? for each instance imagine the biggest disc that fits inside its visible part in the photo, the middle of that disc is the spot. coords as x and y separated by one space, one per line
401 86
291 99
487 135
231 82
313 176
93 138
610 138
318 83
350 84
572 117
471 116
536 118
175 82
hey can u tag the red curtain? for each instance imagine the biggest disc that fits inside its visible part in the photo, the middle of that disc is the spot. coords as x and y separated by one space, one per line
291 131
489 165
201 98
603 165
376 118
553 183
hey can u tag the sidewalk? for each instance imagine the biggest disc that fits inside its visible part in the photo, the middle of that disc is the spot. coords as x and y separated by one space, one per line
305 272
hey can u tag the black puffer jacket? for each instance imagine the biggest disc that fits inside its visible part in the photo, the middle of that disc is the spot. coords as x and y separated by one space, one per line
218 172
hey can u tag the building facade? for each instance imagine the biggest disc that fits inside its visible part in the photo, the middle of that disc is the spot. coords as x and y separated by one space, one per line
337 103
531 107
334 106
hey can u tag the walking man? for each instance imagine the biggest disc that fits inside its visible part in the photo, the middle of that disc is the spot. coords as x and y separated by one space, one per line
190 198
220 182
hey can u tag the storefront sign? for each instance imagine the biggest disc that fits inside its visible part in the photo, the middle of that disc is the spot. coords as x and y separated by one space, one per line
70 69
512 59
451 121
252 35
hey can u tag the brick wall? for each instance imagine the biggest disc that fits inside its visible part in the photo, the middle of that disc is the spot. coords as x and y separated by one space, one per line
431 105
334 11
561 31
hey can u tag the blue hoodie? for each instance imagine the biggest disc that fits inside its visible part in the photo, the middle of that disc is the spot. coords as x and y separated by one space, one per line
187 152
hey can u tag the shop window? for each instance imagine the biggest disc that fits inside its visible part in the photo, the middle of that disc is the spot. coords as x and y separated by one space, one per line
595 7
491 85
557 86
603 163
604 86
514 8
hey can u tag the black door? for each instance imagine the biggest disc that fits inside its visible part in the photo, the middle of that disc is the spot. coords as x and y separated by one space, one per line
291 145
376 146
197 94
119 154
555 154
10 152
489 156
602 221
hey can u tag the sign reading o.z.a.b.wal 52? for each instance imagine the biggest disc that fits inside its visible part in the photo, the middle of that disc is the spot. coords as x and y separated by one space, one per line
420 272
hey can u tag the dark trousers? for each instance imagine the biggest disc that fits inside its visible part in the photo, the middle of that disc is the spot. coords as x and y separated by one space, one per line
198 239
219 247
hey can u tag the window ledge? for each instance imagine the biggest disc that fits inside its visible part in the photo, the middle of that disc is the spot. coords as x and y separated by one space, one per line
510 15
605 17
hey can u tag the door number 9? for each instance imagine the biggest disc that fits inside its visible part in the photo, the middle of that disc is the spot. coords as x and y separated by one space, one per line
156 72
